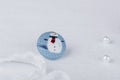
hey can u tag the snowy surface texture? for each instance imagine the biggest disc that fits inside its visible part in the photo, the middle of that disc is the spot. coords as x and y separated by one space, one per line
83 24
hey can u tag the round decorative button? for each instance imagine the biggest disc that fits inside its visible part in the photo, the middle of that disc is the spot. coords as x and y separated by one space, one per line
51 45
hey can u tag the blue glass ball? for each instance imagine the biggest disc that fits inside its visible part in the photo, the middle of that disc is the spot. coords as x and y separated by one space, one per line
51 45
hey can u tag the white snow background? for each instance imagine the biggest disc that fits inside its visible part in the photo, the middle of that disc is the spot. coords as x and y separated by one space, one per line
83 24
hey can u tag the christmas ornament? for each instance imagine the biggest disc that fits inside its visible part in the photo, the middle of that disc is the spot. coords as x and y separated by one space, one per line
51 45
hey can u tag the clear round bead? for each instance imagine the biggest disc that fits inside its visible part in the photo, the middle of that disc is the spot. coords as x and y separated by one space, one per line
106 59
106 40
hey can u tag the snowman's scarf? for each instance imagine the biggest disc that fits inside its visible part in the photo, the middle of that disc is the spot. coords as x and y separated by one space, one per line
53 40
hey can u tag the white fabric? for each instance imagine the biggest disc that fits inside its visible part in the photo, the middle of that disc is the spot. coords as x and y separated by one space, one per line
57 75
27 66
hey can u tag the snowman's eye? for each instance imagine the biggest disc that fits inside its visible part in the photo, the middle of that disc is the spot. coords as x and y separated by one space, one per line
46 39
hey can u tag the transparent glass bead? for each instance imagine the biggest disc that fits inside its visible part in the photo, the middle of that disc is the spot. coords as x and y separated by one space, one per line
106 59
106 40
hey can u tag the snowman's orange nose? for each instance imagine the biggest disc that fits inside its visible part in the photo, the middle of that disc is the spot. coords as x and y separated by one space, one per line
53 40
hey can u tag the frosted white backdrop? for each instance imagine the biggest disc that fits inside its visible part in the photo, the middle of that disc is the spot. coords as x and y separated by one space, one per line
83 23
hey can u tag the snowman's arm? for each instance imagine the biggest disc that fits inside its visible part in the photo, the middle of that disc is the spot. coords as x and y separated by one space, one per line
62 41
46 39
43 46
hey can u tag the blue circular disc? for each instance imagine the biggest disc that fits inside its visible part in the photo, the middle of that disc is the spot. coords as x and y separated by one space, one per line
51 45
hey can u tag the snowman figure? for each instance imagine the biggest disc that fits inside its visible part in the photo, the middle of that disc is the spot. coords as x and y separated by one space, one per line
54 43
51 45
